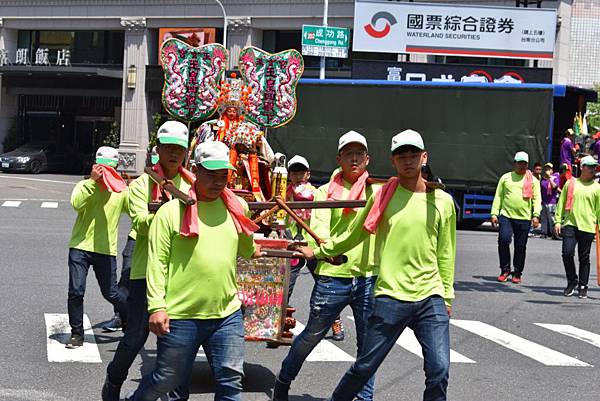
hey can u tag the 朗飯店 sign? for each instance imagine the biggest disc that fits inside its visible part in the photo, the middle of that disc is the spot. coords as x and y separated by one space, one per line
325 41
383 26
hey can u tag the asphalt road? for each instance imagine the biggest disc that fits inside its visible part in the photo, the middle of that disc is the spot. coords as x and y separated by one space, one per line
33 262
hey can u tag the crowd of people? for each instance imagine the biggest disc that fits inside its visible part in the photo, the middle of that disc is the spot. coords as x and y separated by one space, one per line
178 279
555 205
181 283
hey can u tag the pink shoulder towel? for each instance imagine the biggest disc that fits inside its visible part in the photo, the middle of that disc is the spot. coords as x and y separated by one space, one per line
382 198
185 174
357 192
528 185
570 193
111 181
189 224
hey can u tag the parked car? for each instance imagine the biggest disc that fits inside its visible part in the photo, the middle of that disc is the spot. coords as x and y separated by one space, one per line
39 157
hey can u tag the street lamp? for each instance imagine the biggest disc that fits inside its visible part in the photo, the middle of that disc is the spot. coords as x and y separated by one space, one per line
224 23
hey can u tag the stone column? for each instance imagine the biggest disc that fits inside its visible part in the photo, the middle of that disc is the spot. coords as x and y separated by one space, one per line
134 110
239 35
8 104
560 63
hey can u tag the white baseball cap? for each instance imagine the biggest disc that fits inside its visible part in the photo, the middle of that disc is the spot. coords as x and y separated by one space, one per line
521 157
173 132
408 137
588 161
298 160
213 155
107 156
352 137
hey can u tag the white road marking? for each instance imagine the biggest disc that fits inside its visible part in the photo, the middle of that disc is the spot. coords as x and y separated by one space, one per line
409 342
11 203
547 356
49 205
58 332
574 332
201 355
325 351
36 179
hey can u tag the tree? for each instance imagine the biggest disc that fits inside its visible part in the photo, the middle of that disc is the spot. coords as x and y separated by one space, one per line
594 114
113 138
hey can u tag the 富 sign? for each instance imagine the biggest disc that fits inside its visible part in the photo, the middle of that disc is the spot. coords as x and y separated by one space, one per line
325 41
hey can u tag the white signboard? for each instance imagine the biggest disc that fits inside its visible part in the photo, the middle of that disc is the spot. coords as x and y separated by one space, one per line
383 26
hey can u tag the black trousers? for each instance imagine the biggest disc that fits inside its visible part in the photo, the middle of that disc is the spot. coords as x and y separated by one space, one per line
571 237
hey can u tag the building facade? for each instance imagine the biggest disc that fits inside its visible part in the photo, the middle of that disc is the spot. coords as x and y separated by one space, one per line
97 72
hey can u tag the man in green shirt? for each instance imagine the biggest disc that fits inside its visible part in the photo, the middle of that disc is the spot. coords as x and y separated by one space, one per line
172 139
577 214
94 238
415 287
191 283
517 204
336 287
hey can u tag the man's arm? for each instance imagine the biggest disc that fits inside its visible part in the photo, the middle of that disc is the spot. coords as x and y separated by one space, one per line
320 220
446 253
537 199
355 234
246 244
141 218
498 198
83 193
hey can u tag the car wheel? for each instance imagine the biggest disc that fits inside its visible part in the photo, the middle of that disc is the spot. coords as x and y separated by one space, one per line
35 167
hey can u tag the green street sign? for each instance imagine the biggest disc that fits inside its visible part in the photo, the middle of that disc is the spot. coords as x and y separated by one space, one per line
325 41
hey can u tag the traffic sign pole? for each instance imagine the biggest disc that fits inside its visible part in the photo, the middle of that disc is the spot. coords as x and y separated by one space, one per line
325 12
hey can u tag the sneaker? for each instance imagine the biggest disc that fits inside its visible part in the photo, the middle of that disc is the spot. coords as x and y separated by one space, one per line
338 330
280 391
570 290
503 278
75 341
582 292
516 279
114 324
110 392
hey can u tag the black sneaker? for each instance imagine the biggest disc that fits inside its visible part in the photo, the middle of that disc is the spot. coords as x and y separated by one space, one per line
114 324
280 391
75 341
337 328
570 290
582 292
110 392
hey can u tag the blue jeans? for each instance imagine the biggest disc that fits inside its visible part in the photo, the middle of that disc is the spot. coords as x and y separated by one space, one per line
430 321
105 268
572 237
329 297
520 229
135 334
223 343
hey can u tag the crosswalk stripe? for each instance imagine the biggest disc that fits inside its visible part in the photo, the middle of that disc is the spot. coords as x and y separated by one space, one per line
11 204
58 332
49 205
547 356
409 342
325 351
574 332
201 355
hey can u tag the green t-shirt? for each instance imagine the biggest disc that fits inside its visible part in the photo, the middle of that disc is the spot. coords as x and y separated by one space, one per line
140 194
98 211
194 277
415 245
586 206
327 223
509 201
